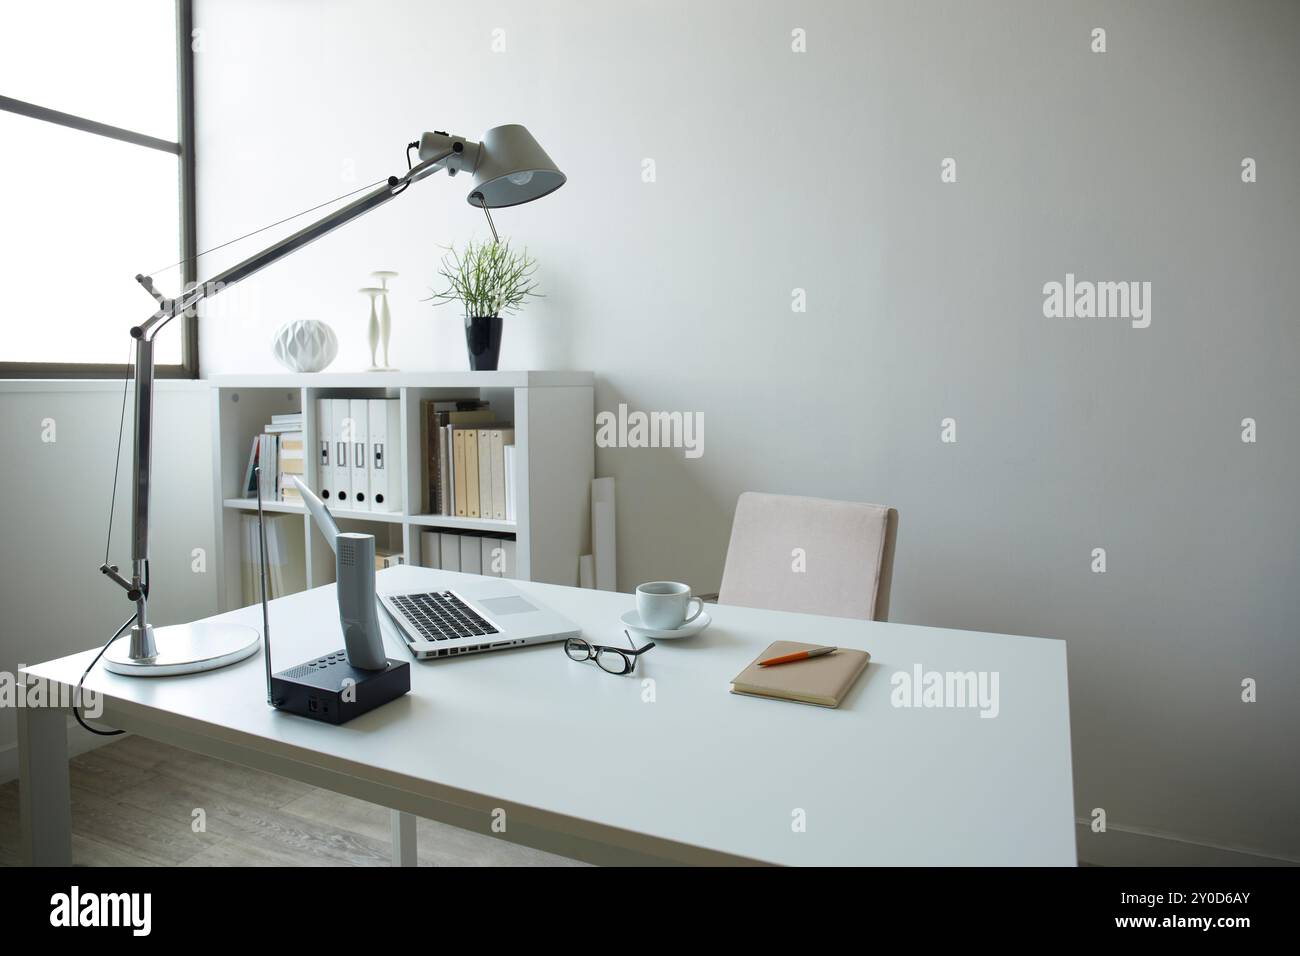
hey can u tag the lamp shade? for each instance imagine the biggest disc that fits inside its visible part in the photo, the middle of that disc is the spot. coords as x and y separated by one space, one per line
512 169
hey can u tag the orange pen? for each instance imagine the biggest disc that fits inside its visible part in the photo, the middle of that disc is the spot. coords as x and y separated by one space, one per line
797 656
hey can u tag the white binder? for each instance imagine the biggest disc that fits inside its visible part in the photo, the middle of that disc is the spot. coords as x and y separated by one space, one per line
325 450
341 449
359 453
385 460
449 551
471 554
493 563
430 549
511 556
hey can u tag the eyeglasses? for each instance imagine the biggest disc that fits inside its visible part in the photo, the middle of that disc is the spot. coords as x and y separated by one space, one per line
612 660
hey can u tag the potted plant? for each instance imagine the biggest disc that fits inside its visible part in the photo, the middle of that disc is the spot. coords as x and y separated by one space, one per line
491 280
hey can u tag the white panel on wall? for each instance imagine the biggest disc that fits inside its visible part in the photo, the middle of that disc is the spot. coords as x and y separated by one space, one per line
59 471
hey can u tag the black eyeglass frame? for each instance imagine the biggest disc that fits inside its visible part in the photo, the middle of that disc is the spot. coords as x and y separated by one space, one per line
593 653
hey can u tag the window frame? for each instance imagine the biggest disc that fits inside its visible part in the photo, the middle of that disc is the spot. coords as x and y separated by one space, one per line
184 150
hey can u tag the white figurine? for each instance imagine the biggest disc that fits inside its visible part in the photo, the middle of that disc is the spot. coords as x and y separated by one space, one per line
374 328
385 317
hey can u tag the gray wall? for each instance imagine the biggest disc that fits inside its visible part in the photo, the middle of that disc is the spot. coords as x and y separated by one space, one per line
54 599
778 170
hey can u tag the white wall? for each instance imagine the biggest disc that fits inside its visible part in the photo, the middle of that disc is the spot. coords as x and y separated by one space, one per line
820 170
54 599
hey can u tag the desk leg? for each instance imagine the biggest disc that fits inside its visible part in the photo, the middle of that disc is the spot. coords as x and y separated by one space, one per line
404 849
44 794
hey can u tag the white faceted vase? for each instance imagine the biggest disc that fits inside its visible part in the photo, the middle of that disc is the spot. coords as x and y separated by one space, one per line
305 345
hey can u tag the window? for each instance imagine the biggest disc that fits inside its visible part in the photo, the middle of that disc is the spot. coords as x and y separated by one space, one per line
97 184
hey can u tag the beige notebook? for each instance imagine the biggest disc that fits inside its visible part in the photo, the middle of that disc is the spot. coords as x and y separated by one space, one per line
818 680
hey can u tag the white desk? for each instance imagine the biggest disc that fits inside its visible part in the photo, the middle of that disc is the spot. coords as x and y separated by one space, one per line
585 764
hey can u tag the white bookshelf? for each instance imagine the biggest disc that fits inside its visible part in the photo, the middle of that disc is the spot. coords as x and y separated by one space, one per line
554 420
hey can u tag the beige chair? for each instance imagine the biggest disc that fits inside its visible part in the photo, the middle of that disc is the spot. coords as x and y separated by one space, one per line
847 556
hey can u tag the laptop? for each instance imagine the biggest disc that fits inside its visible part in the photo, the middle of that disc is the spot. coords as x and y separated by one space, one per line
469 618
485 615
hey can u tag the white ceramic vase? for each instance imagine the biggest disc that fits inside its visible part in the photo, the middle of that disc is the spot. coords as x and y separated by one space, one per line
305 345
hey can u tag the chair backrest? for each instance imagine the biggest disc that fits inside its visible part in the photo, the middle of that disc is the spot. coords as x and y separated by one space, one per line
843 567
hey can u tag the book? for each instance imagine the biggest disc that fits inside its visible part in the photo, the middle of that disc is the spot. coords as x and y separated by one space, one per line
471 473
250 489
500 439
447 482
430 443
291 554
267 459
823 681
485 472
458 469
293 461
248 560
274 560
280 451
386 558
286 561
510 482
436 415
428 455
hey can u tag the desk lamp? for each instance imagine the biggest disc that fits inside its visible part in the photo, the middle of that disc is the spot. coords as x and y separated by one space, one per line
507 168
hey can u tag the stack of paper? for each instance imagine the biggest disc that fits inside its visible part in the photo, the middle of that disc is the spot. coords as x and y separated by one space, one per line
291 459
278 451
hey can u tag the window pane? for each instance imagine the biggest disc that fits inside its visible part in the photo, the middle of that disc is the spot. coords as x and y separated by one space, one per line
82 214
108 61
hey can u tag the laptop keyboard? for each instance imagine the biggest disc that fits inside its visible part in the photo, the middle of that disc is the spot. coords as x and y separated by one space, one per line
441 616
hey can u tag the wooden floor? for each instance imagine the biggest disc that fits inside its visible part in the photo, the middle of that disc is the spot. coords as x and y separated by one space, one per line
133 804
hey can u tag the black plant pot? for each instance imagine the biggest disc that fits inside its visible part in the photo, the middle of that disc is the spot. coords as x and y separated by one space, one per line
483 341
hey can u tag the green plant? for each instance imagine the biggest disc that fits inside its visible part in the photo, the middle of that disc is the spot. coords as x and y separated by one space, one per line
490 278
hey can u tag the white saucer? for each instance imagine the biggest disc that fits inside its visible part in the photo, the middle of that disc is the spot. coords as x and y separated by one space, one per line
632 621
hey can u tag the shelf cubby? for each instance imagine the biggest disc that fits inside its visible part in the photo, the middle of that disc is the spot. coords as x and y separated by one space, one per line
553 414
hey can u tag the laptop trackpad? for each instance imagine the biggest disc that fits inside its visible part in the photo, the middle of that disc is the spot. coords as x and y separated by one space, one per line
512 604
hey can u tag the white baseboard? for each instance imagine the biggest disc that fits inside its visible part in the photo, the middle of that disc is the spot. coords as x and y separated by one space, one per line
79 742
1131 846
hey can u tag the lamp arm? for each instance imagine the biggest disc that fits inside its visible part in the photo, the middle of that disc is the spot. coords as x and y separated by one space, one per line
137 585
186 303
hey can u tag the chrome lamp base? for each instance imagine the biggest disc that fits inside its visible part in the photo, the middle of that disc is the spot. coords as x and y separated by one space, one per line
185 649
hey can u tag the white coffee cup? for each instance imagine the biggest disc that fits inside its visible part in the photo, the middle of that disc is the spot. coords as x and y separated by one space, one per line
663 605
